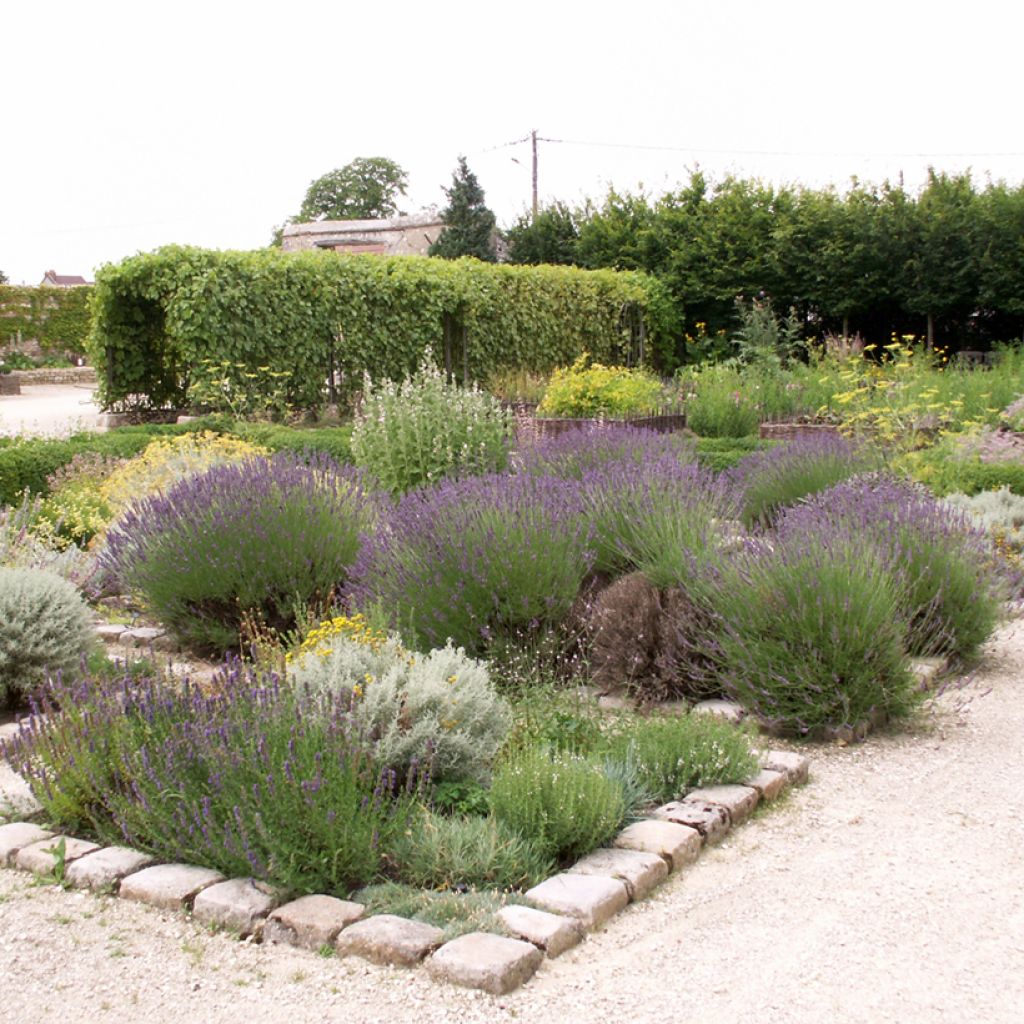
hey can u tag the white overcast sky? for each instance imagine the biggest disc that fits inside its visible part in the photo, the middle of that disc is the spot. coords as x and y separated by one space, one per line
126 125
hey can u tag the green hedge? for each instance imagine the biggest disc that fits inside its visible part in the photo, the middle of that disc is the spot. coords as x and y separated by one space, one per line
718 453
56 318
26 463
180 323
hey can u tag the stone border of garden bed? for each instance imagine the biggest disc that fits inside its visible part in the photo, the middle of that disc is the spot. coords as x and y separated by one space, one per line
563 908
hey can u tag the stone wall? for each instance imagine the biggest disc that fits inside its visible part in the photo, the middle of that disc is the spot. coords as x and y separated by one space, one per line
399 236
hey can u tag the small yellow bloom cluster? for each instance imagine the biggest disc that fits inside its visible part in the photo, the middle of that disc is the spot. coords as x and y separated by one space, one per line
166 460
350 627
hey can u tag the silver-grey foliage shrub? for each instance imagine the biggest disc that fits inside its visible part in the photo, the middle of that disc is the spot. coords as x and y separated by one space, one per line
45 628
439 708
999 512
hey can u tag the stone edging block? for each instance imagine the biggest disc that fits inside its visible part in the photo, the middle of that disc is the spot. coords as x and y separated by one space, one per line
239 904
710 820
480 960
16 836
387 939
311 922
551 933
677 845
41 857
168 886
105 868
641 872
739 801
591 899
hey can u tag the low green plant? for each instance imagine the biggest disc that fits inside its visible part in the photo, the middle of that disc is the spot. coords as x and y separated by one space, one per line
45 628
671 754
590 390
456 912
444 852
460 797
564 802
426 428
22 547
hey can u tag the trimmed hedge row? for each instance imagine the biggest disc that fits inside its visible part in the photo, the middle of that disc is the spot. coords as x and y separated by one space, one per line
25 464
182 324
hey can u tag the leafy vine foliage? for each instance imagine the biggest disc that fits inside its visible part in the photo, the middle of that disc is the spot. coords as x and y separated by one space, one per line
181 322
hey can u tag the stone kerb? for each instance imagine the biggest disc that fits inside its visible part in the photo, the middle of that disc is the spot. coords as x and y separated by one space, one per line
565 906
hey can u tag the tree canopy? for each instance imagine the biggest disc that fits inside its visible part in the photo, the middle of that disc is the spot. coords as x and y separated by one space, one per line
469 225
365 189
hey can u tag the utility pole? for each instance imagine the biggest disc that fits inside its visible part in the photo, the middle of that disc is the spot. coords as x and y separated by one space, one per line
533 140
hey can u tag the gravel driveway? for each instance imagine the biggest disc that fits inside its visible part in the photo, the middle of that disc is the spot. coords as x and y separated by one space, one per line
49 410
890 889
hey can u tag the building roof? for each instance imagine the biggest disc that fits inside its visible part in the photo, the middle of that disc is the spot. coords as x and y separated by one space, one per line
63 280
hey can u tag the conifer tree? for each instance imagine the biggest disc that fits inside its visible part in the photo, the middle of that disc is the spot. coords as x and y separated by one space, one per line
469 225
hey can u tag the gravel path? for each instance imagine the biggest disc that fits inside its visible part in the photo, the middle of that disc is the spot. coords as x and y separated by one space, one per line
52 410
888 890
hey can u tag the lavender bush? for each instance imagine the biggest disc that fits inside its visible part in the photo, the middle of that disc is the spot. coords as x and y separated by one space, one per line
574 453
811 630
952 592
260 538
769 480
253 779
656 515
469 559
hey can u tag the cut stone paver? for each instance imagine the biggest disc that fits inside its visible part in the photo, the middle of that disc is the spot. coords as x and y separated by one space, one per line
16 836
739 801
16 797
104 869
110 633
726 709
552 933
591 899
795 766
387 939
676 844
768 783
41 857
142 636
492 963
710 820
239 904
168 886
311 922
641 871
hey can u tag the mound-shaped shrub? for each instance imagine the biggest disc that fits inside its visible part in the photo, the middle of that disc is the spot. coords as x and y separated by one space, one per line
44 629
437 711
262 538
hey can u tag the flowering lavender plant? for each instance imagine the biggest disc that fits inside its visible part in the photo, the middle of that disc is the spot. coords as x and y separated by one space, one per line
255 778
261 537
467 559
811 630
952 593
768 480
572 454
655 514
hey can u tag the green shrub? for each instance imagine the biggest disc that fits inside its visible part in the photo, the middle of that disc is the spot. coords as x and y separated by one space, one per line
566 804
721 453
437 709
999 512
718 403
595 390
22 548
427 428
250 778
441 852
673 754
770 480
812 630
45 628
262 539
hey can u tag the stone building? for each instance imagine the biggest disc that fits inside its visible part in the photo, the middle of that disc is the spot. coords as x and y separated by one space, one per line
54 280
405 235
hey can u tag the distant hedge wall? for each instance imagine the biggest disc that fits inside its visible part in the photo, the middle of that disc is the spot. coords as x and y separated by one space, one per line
180 323
57 319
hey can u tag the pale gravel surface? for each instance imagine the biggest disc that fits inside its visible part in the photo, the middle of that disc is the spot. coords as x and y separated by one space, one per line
890 889
52 410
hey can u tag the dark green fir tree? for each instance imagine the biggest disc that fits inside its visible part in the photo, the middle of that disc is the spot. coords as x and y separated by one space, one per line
469 225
